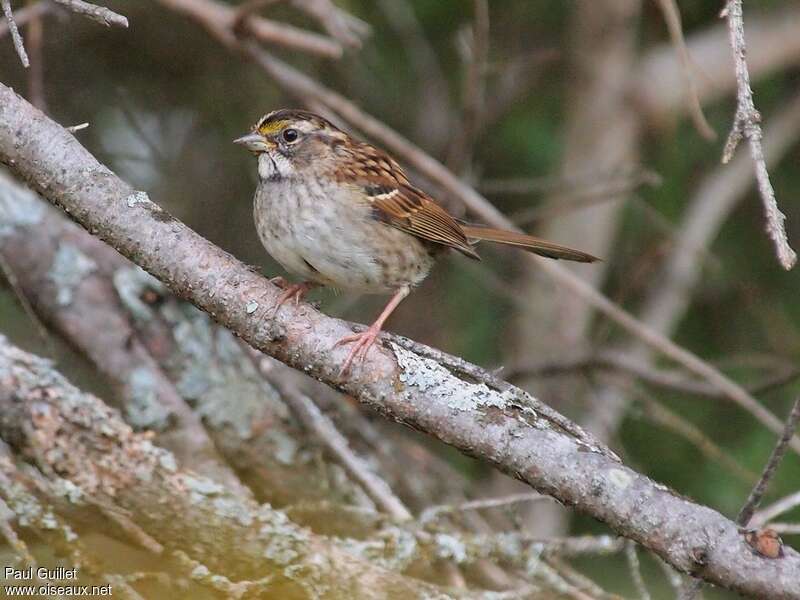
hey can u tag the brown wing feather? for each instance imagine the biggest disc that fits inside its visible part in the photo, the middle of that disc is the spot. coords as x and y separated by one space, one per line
397 203
409 210
527 242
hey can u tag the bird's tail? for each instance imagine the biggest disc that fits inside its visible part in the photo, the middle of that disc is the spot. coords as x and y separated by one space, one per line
527 242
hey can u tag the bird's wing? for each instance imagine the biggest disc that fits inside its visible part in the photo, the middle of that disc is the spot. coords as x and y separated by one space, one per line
397 203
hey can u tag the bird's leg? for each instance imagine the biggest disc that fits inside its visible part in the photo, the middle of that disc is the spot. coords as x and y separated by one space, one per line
291 290
363 340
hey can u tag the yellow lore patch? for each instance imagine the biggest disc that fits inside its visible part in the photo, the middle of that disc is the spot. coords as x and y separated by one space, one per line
271 127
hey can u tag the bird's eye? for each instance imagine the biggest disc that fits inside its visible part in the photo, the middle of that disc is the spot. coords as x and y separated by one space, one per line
290 135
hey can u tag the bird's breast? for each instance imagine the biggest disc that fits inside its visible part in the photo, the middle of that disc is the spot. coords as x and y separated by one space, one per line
320 231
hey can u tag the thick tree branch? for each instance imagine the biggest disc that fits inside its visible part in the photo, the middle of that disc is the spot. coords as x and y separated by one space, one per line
74 436
500 427
70 278
160 354
304 87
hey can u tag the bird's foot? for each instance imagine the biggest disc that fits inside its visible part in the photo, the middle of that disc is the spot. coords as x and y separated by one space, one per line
361 344
293 290
290 290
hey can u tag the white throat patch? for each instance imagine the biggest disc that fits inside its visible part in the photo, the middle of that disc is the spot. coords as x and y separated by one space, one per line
273 166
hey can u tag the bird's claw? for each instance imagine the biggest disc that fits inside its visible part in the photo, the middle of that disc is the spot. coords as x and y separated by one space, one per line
362 341
293 290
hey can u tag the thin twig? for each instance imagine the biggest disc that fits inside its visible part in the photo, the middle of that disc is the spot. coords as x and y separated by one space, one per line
16 288
636 571
551 575
747 124
672 17
775 509
673 576
79 127
19 45
646 372
433 512
754 499
661 415
26 14
757 493
785 528
316 422
346 28
34 35
476 56
245 10
101 14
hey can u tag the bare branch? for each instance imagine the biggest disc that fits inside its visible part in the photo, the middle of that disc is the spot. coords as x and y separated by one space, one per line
747 124
502 427
672 16
476 58
434 512
317 423
101 14
757 493
659 80
662 416
636 571
714 200
75 282
77 438
775 509
228 21
343 26
26 14
19 45
778 452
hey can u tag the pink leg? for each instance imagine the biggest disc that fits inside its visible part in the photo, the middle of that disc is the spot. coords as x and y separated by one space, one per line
291 290
362 341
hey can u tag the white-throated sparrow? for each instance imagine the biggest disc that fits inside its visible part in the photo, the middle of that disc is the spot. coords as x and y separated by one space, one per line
341 213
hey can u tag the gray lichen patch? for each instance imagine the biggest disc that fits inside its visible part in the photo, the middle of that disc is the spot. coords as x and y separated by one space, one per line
450 547
441 385
131 283
285 542
19 207
143 409
70 266
60 415
221 382
138 197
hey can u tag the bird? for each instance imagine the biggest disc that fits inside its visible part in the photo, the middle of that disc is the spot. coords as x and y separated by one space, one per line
341 213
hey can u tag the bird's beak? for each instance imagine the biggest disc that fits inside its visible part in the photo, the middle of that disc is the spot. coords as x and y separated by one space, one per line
254 142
